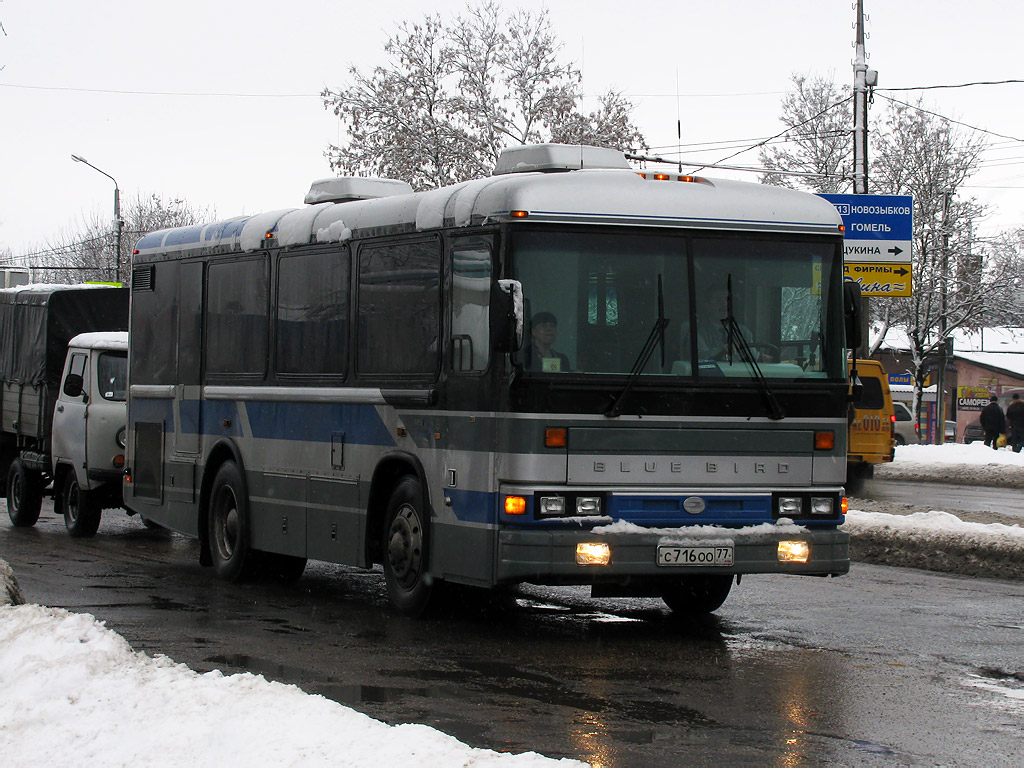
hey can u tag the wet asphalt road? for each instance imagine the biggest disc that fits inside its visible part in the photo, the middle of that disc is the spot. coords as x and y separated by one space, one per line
885 666
1006 502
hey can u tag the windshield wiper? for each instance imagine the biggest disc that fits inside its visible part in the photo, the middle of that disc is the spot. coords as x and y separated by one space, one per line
655 338
736 338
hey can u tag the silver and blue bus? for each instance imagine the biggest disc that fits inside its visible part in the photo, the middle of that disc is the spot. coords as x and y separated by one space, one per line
571 372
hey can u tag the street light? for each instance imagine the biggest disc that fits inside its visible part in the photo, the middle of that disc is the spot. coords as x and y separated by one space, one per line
117 213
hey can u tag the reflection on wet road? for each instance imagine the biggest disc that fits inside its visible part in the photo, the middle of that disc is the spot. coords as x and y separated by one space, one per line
884 666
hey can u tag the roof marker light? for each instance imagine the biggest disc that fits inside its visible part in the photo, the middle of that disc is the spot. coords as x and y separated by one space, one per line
519 214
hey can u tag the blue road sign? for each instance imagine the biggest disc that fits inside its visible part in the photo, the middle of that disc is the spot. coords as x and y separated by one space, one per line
879 228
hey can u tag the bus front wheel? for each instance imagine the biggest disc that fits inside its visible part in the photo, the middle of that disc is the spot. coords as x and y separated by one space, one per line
406 538
697 594
24 495
228 525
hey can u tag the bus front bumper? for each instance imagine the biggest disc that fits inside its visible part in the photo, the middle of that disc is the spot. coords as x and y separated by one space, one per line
550 556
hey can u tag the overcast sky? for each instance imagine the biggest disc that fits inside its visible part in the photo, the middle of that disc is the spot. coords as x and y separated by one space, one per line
216 102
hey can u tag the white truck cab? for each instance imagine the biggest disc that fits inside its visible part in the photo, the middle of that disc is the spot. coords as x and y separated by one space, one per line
89 425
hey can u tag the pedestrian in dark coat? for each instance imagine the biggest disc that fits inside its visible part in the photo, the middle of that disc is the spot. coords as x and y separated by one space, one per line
1015 423
993 421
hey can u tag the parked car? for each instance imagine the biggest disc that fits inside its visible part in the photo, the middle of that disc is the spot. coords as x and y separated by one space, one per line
950 435
973 431
907 432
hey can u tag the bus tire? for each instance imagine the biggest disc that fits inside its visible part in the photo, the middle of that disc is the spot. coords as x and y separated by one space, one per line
24 495
411 588
697 594
81 513
234 559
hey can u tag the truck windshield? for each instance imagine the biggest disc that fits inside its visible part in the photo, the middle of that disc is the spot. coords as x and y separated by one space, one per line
112 375
592 300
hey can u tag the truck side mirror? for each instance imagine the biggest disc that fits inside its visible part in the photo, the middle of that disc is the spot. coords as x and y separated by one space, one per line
74 385
509 316
851 314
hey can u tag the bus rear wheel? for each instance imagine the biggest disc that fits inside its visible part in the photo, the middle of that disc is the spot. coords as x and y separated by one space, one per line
24 495
406 539
697 594
81 513
228 526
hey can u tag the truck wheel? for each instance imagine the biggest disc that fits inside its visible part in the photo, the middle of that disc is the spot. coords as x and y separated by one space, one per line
24 495
81 512
234 559
697 594
411 589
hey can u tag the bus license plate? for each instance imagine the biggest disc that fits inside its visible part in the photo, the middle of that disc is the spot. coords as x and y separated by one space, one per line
683 556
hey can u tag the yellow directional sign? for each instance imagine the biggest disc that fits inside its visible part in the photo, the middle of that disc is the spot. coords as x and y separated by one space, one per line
879 279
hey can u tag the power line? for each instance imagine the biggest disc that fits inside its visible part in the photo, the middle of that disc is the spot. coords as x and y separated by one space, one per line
950 119
956 85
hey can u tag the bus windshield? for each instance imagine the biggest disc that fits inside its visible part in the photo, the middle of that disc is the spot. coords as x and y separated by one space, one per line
594 298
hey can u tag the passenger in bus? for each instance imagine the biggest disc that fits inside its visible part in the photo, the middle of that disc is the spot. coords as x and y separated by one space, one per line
540 354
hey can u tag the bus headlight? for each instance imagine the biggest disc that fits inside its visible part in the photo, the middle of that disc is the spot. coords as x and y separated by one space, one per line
794 551
593 553
821 505
552 505
588 505
790 506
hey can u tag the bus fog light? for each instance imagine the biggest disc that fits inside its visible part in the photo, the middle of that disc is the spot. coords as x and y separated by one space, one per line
593 553
790 506
588 505
821 505
794 551
552 505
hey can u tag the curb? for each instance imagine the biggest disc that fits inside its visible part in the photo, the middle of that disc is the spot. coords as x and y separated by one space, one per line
943 556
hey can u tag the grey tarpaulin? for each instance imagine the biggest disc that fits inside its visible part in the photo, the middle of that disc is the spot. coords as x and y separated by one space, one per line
36 325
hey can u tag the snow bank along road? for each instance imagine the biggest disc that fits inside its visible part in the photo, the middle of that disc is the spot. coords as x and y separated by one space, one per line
972 545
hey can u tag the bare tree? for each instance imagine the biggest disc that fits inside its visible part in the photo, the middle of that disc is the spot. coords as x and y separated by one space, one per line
819 115
453 94
87 252
958 280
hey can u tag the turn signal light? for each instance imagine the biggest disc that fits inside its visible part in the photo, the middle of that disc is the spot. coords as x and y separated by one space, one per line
824 441
844 505
556 437
515 505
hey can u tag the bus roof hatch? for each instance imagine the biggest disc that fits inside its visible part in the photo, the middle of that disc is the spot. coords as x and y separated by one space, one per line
558 157
344 189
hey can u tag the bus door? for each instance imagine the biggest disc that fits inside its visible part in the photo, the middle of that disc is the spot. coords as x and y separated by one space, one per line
188 391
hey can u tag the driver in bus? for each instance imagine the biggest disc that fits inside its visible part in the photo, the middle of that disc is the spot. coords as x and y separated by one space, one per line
712 336
540 354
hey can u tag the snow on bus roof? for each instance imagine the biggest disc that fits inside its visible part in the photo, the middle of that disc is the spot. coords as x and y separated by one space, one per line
602 196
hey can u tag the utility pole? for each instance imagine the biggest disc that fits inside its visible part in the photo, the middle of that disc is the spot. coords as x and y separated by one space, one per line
940 379
862 79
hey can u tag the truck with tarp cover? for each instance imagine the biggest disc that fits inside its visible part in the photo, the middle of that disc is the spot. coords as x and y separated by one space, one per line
37 323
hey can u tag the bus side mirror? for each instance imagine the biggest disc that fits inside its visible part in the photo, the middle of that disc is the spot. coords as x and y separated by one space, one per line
509 318
851 314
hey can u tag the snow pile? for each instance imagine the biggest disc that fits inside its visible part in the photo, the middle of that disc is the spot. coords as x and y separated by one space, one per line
937 541
76 694
974 464
10 593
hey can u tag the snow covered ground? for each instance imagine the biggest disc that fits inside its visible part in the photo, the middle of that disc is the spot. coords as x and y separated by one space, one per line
75 694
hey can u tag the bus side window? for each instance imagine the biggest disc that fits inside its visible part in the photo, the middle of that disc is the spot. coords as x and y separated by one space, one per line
399 309
236 317
312 313
471 291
